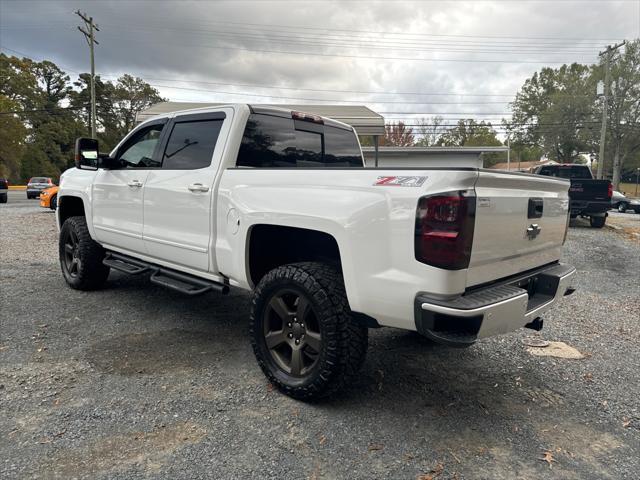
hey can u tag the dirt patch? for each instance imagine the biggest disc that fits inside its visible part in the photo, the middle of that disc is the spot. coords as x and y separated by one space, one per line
116 453
575 443
556 349
156 352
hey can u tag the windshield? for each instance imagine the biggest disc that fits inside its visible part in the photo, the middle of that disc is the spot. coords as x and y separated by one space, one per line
39 180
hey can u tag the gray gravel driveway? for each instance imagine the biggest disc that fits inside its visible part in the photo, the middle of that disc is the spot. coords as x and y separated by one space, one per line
135 381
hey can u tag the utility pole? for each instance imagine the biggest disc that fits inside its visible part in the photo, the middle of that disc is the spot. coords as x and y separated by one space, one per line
90 38
607 87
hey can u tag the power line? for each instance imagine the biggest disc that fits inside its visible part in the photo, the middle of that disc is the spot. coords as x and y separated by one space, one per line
326 99
372 43
365 57
377 32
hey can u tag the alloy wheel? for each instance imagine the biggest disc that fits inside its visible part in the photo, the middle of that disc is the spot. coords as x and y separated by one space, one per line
292 332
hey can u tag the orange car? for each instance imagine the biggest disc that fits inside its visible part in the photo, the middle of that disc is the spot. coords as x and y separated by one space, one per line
49 197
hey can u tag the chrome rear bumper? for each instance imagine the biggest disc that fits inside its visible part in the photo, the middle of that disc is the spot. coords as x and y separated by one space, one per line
491 310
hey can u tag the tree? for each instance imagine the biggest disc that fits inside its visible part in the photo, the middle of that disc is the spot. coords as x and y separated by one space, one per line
39 138
398 135
429 131
469 133
117 105
623 127
12 135
554 109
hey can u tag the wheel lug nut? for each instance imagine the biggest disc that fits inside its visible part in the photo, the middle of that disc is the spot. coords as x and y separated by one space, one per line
291 335
289 324
297 342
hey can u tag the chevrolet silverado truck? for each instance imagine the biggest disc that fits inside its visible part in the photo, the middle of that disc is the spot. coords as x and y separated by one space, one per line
589 197
279 203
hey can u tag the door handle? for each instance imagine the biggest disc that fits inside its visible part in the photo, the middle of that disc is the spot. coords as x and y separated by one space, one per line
198 187
135 183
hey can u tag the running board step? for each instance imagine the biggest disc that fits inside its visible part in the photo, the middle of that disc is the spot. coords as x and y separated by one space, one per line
166 277
125 264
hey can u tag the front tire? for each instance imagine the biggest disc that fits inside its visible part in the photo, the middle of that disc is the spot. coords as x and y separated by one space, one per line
80 256
597 222
302 332
53 203
622 207
3 198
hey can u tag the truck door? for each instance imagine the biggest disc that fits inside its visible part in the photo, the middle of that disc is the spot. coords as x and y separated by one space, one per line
179 197
118 193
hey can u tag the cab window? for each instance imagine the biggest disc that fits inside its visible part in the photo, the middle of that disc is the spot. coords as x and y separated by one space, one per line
191 144
137 152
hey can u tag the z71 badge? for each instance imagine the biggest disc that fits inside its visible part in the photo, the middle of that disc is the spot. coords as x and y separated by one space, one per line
400 181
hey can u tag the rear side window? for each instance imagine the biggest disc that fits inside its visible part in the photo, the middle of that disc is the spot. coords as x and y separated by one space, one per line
567 172
272 142
191 145
341 148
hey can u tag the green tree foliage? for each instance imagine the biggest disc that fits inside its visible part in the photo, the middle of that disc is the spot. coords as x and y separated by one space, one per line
469 133
117 105
554 110
12 135
623 128
52 112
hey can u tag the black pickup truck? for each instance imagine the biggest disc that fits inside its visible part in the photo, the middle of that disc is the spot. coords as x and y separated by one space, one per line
4 189
589 198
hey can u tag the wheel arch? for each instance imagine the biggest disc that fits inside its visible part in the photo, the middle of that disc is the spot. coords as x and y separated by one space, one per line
269 246
69 206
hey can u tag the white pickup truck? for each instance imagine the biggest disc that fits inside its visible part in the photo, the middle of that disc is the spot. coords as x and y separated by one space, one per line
279 203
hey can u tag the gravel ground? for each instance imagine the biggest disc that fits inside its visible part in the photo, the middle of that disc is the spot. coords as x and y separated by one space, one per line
134 381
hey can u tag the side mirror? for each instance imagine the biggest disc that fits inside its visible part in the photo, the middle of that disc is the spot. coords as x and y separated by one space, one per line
86 153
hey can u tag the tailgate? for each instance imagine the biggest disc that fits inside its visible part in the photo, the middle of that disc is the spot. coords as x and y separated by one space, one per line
520 224
594 190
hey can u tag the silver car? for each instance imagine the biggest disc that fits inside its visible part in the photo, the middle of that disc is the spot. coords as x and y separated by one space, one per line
36 185
623 204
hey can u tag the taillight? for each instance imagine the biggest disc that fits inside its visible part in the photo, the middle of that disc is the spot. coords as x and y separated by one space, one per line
610 190
307 117
444 230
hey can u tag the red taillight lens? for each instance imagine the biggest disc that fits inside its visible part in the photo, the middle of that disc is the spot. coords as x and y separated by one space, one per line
444 230
307 117
610 191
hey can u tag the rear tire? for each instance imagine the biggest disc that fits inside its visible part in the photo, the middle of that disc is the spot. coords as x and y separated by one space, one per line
80 256
597 222
3 198
302 332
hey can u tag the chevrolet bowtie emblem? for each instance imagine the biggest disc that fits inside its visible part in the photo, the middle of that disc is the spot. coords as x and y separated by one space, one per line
533 231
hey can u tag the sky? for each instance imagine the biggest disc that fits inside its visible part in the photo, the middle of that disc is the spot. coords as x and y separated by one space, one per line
405 59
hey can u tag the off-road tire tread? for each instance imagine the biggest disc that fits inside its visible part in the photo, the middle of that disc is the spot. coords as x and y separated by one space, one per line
595 222
93 273
347 342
